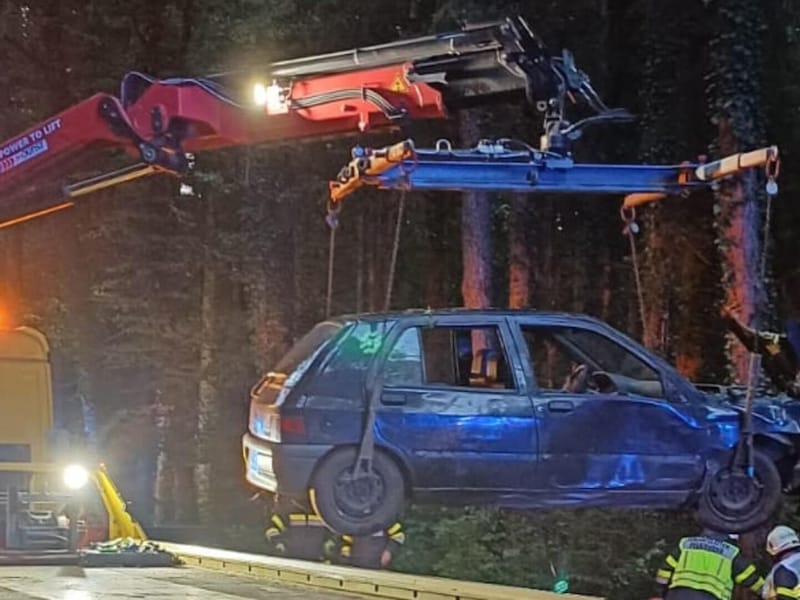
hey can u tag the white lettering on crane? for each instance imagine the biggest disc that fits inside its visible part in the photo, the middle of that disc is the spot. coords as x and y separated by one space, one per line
28 146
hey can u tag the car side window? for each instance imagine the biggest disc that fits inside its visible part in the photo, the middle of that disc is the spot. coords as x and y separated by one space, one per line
404 363
609 355
465 357
551 363
578 360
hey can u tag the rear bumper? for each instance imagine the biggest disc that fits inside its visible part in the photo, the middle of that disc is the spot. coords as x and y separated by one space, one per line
281 468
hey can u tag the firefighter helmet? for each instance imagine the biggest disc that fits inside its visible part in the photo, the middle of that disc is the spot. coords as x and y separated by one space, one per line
781 539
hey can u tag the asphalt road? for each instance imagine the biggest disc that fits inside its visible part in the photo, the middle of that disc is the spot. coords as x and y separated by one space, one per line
72 583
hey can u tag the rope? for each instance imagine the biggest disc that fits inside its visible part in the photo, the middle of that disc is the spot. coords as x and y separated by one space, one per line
331 257
333 223
631 228
395 247
767 227
754 364
638 280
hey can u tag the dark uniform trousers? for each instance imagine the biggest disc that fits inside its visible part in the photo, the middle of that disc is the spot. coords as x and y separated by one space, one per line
365 552
297 535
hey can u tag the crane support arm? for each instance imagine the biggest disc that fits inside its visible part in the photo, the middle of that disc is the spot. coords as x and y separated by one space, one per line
499 166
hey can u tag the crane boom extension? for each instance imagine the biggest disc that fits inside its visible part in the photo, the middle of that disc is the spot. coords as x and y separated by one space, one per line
163 122
501 167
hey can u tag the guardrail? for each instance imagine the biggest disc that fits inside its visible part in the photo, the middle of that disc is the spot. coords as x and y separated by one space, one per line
383 584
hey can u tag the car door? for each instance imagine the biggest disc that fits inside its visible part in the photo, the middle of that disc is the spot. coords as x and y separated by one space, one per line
627 438
463 423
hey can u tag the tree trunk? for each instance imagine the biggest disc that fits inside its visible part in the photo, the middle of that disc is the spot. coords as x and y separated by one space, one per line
436 271
519 258
661 142
476 250
739 224
655 278
164 495
690 331
208 394
476 240
544 269
736 98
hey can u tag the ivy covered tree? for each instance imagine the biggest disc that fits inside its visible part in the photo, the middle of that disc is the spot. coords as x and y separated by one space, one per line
738 111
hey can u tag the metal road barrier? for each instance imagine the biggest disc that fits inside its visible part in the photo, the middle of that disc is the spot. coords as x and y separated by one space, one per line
383 584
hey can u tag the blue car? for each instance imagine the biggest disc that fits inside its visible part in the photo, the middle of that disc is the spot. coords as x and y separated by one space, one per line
518 409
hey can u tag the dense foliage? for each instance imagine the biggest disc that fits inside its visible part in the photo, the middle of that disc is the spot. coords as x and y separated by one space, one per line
163 309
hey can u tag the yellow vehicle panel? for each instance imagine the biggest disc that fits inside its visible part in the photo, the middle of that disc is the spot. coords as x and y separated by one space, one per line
26 401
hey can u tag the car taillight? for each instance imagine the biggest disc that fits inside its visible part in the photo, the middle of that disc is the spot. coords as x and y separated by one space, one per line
293 425
264 423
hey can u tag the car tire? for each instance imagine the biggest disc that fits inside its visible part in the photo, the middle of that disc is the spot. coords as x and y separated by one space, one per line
728 505
362 507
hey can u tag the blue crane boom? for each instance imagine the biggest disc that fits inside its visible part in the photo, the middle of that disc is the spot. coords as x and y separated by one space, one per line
509 166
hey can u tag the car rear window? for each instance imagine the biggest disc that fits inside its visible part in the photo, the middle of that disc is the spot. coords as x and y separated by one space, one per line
274 385
343 371
308 345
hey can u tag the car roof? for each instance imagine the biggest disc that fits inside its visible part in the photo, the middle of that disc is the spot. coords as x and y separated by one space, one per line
441 312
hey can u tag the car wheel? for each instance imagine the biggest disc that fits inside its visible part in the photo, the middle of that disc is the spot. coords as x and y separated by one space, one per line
357 506
733 502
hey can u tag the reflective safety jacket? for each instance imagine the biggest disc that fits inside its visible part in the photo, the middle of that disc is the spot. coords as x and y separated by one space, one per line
365 552
708 567
783 581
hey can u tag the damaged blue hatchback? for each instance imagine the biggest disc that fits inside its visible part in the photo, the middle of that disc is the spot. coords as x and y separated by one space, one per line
518 409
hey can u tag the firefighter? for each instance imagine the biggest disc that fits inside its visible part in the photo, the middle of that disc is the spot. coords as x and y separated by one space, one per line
706 567
374 551
783 581
780 352
293 532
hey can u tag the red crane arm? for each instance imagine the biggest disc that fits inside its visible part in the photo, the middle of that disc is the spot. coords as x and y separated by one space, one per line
169 120
212 123
162 122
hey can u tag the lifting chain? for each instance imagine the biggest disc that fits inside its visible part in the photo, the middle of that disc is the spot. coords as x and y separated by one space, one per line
772 169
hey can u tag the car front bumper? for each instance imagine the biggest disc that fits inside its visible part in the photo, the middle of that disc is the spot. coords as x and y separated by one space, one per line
281 468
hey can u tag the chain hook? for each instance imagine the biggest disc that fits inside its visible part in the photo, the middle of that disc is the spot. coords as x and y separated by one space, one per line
628 214
332 217
772 169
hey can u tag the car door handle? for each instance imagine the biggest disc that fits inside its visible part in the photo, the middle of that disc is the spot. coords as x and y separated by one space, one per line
393 399
560 406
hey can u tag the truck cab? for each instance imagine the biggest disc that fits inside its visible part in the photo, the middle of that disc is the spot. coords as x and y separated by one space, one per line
26 400
48 500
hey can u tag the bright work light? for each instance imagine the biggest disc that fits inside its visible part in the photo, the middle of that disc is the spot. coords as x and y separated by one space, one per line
75 477
260 94
269 96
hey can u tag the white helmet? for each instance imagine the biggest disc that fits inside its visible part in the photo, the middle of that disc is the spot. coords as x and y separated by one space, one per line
781 539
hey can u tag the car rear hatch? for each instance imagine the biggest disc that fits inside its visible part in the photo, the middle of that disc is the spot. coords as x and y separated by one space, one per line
268 396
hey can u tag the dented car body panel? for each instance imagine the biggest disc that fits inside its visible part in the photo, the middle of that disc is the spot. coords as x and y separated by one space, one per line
473 406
